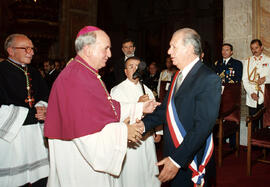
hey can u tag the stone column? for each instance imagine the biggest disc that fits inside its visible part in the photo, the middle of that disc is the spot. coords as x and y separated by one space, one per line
237 30
237 26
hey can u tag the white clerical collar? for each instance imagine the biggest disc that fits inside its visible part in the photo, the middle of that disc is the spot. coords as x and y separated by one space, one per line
51 71
126 57
23 65
187 69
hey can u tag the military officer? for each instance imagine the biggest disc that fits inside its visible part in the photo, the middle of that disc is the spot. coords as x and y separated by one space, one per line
256 73
228 68
230 71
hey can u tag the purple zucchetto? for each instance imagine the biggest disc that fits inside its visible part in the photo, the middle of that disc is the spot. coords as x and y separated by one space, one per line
87 29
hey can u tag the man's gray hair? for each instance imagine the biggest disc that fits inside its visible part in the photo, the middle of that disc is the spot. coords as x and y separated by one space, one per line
85 39
9 40
193 38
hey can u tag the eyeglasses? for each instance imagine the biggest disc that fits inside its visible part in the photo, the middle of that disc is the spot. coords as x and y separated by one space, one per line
27 49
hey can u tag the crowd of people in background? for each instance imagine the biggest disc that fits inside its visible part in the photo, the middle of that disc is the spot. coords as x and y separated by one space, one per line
189 91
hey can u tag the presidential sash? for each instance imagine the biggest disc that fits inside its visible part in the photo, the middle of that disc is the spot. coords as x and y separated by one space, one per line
178 133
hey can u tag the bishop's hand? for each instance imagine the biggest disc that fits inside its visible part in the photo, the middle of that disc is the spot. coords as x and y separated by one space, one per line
135 131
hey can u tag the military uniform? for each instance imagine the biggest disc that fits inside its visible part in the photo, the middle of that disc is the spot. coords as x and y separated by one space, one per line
231 72
254 67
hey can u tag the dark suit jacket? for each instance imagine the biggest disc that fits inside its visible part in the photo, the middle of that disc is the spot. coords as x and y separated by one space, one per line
151 82
50 78
119 73
231 72
197 104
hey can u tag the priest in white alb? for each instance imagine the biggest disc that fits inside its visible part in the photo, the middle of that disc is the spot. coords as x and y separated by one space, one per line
139 167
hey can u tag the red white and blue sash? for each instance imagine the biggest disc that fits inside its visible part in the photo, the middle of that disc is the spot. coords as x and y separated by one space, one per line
178 133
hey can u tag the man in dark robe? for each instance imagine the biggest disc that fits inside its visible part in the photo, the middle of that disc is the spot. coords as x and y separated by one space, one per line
23 101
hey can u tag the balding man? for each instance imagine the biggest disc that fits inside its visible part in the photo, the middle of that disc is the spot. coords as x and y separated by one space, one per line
23 101
87 143
188 113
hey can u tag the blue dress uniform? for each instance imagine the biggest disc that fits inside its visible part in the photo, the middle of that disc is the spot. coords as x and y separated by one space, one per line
231 72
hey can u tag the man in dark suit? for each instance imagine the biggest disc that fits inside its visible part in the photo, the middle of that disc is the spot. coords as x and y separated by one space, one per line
128 48
151 78
50 73
229 69
194 106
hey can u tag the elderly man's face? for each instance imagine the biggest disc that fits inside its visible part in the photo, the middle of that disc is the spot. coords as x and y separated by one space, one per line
178 52
21 50
131 67
100 51
128 49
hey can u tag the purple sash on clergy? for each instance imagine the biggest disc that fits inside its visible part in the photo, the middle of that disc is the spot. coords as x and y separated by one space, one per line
178 133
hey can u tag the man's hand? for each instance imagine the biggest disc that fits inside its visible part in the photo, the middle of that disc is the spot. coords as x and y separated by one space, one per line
254 96
135 132
261 80
41 112
143 98
149 106
169 170
157 137
127 121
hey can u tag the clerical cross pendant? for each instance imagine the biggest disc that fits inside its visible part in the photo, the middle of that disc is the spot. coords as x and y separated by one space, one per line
30 101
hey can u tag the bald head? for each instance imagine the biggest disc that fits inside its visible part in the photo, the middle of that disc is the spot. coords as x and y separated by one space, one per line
190 36
19 48
94 48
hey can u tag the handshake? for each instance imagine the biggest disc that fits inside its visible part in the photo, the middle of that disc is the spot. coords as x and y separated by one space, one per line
136 130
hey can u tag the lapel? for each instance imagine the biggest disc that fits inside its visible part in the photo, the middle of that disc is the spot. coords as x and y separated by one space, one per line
230 62
187 81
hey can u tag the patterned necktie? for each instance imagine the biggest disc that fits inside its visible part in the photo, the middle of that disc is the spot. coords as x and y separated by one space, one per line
178 81
224 62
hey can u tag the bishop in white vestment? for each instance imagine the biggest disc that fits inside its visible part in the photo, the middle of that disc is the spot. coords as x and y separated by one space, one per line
87 143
